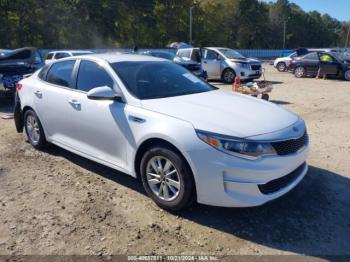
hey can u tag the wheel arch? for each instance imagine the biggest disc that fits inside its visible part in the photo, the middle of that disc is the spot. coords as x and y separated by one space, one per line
155 141
228 67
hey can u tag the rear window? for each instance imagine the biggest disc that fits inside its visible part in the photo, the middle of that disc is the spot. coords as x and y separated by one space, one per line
61 73
49 56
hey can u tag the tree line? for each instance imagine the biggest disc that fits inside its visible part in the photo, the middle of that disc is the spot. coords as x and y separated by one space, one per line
156 23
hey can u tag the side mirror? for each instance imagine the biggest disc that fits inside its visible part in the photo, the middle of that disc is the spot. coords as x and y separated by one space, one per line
103 93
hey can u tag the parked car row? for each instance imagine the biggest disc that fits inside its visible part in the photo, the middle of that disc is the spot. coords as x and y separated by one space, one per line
329 63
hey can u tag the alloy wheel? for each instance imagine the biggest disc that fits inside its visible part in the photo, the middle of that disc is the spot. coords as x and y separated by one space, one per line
281 67
229 76
347 75
163 178
299 71
33 129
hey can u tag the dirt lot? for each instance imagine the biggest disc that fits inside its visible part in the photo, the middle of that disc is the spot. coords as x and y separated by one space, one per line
55 202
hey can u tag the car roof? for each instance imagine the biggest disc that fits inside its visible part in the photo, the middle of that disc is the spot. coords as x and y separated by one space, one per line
119 57
71 51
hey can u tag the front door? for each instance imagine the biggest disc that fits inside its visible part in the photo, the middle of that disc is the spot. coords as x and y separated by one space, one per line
99 126
211 63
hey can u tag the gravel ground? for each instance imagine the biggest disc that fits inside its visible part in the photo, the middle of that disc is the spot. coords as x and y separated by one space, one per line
55 202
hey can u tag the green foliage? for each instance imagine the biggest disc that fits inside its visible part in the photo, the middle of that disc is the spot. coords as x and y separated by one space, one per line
156 23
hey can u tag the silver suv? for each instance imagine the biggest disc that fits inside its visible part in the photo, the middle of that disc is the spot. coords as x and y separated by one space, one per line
223 63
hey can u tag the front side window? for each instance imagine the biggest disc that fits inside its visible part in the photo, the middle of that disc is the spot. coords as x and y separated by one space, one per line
326 58
154 79
61 73
211 55
92 75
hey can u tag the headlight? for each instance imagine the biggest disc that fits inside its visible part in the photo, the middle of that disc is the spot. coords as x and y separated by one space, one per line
237 147
244 65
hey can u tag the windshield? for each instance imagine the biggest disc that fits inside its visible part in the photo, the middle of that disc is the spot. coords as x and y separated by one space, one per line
156 79
165 55
230 53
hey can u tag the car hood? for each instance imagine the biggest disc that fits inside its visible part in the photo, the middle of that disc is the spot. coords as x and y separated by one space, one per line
246 60
225 113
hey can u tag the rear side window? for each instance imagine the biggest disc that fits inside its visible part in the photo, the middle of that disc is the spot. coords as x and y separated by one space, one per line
61 73
61 55
311 56
184 53
92 75
49 56
43 72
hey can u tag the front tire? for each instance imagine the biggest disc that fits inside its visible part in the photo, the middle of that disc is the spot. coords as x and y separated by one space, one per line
228 76
347 75
299 72
167 178
34 130
281 67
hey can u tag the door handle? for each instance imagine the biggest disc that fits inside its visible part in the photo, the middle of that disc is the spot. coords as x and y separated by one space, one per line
204 62
74 102
38 93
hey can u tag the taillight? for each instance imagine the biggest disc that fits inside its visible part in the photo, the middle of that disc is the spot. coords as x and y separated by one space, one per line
18 86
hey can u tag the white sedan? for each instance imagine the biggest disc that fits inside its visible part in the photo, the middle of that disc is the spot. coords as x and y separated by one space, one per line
154 120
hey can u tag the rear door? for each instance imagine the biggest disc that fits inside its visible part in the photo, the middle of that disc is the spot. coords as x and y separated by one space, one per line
311 63
99 127
50 99
211 63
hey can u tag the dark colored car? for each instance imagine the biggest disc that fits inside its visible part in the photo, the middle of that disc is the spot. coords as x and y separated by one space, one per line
14 64
192 66
309 64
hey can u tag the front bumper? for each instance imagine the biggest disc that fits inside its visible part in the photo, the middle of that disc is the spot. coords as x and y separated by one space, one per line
249 74
225 180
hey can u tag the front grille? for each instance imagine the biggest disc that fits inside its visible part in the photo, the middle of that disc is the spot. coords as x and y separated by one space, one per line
279 183
256 67
290 146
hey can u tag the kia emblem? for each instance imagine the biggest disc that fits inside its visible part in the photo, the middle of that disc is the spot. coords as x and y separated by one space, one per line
295 129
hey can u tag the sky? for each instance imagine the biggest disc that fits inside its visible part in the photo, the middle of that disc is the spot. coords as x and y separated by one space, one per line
339 9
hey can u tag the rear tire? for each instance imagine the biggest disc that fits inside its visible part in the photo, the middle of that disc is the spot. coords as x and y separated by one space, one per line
34 130
299 72
228 76
167 178
281 67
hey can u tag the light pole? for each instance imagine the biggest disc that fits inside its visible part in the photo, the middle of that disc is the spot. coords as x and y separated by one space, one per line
284 33
347 38
191 8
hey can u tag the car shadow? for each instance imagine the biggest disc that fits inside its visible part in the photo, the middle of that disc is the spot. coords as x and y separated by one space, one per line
312 219
99 169
280 102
